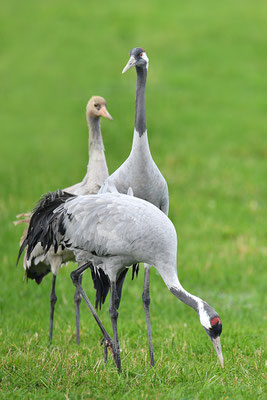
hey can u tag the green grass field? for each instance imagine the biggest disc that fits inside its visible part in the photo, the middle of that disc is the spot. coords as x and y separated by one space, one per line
207 126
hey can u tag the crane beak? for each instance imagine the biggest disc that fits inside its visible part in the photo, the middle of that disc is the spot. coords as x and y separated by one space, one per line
104 113
131 63
217 346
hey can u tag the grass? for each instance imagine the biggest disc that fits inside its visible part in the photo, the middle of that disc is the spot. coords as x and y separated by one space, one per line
206 114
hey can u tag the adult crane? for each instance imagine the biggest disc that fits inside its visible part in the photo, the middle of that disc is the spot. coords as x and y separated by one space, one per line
112 231
41 263
139 171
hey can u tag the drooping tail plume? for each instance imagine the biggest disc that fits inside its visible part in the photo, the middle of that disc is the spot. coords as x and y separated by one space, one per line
41 227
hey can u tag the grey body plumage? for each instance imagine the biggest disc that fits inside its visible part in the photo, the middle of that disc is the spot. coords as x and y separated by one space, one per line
111 231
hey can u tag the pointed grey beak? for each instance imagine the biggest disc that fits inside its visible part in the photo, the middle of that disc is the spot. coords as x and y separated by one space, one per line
130 64
217 346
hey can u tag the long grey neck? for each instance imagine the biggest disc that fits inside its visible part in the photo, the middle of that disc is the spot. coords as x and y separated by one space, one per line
205 312
95 136
185 297
140 109
169 275
97 161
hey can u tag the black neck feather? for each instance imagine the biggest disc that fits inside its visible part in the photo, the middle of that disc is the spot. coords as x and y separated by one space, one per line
184 298
140 110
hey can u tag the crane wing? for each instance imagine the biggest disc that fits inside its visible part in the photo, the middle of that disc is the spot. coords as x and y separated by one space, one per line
106 224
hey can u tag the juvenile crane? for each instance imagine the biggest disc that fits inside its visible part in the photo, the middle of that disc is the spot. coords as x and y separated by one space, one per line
139 171
113 231
41 263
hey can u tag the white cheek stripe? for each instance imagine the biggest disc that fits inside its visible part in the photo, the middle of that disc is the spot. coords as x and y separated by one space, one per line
203 316
145 57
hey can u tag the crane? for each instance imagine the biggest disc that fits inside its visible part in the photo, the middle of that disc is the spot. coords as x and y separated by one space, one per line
41 263
139 170
113 231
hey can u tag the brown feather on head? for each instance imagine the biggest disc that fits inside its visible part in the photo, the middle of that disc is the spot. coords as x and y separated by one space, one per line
96 108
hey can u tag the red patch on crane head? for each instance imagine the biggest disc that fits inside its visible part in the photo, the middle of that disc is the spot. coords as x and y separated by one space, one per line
215 320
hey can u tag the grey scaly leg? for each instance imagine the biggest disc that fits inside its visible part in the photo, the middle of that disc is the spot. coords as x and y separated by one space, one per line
114 304
75 276
119 285
53 300
146 303
77 302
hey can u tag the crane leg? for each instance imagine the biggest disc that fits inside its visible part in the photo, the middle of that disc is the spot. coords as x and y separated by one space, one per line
113 311
77 302
75 276
53 300
146 303
119 285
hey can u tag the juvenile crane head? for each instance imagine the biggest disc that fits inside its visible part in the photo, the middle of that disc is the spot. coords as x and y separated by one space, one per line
96 108
212 324
138 58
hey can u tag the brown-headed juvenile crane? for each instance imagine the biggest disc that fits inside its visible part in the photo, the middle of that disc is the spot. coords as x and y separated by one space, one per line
40 263
113 231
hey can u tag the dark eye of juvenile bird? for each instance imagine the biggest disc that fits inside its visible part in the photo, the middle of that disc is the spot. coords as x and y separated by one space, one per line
97 106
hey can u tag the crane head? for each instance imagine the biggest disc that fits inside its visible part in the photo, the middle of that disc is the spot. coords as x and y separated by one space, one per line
138 58
212 324
96 108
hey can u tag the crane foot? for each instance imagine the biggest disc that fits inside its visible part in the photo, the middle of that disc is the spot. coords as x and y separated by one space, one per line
107 342
108 345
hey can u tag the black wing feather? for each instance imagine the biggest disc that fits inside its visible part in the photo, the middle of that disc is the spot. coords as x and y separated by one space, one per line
101 285
41 227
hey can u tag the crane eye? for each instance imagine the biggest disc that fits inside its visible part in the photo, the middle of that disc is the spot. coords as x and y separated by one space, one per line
97 106
141 54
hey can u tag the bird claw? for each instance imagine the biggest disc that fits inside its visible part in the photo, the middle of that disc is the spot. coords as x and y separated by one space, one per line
107 342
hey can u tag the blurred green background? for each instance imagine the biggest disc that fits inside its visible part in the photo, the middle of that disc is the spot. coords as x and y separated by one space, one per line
206 116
